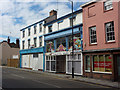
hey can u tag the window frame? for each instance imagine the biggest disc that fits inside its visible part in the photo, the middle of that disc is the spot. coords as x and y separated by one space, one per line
108 5
35 29
86 70
28 31
23 34
95 34
23 44
40 41
104 55
40 27
50 29
113 36
28 43
35 42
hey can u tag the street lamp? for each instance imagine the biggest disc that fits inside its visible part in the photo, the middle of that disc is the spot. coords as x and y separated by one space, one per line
72 42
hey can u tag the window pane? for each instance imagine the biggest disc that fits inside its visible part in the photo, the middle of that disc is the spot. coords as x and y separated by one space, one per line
95 63
101 63
87 63
108 63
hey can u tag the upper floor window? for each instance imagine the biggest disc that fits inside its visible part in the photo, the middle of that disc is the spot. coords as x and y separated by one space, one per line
23 44
40 26
110 35
74 18
108 5
28 31
93 37
35 42
49 29
91 11
40 40
29 43
35 29
23 34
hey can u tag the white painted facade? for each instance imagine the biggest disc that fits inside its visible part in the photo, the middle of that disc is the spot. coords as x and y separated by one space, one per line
37 63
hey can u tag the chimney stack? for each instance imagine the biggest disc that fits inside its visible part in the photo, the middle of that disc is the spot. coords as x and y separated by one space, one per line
53 12
17 42
8 40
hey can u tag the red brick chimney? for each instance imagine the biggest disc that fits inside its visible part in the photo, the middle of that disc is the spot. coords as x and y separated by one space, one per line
53 12
8 40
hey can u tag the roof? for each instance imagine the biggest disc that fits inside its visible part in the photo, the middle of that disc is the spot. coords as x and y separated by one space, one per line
12 45
88 3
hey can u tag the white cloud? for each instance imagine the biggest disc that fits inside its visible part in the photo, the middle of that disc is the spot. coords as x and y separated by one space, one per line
21 8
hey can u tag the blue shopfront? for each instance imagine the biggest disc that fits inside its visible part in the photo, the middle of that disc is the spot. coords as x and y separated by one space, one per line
58 48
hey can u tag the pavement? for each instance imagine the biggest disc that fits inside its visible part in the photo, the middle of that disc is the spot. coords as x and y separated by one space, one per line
107 83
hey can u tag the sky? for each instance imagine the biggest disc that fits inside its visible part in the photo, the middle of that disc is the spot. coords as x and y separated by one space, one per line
17 14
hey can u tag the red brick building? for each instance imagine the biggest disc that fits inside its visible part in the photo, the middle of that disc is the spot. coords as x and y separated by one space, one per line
101 39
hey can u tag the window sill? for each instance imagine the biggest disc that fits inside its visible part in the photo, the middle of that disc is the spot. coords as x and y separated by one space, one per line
102 72
87 70
108 10
109 42
91 16
93 44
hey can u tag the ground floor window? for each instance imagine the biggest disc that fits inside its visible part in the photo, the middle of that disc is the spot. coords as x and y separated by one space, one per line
87 63
51 63
102 63
76 63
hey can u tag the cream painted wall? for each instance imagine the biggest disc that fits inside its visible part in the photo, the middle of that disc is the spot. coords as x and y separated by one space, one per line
7 52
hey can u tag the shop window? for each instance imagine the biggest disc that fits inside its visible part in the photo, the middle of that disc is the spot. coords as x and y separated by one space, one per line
87 63
61 44
50 63
50 46
102 63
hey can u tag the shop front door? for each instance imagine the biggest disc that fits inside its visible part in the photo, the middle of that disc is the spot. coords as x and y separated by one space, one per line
118 62
61 64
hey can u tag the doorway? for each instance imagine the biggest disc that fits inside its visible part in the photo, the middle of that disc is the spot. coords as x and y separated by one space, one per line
118 65
61 64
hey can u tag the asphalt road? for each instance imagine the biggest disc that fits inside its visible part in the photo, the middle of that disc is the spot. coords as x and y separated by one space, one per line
13 78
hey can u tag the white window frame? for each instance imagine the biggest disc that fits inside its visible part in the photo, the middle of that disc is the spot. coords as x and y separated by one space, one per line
93 34
40 27
111 28
28 43
108 5
85 64
23 34
28 31
35 29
